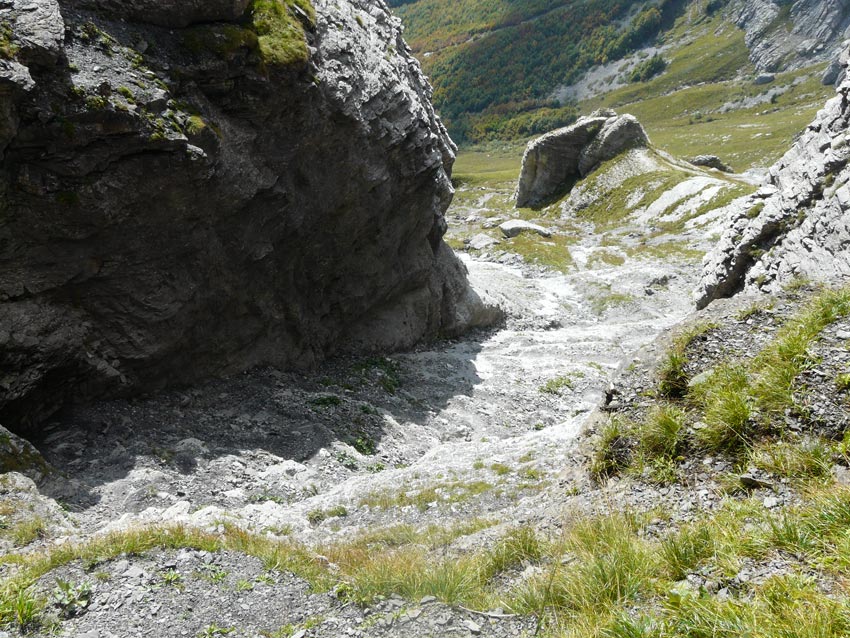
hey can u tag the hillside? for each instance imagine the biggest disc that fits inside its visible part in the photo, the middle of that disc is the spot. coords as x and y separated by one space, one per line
494 66
511 70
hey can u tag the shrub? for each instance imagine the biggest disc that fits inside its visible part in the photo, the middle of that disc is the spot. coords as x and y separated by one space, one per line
648 69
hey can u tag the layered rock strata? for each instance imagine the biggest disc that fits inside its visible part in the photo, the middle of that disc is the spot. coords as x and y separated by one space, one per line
798 223
181 201
554 162
787 34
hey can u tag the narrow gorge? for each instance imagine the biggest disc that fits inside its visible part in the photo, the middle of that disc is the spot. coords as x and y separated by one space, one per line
278 359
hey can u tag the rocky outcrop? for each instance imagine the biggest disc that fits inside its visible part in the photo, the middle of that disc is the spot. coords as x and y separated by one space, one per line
711 161
554 162
18 455
791 34
185 201
170 13
798 223
516 227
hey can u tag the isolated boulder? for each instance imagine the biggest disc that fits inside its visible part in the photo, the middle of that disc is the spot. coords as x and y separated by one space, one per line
205 207
711 161
618 134
18 455
798 223
482 242
552 163
516 227
833 73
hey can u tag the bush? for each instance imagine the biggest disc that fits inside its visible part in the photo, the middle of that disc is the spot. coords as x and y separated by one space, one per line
648 69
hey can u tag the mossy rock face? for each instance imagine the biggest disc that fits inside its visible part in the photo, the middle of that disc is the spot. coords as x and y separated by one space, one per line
18 455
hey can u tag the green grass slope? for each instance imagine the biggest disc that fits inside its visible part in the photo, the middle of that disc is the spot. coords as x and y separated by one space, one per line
494 65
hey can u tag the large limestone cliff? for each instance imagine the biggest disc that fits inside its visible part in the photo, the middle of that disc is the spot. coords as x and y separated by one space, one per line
783 34
798 223
186 190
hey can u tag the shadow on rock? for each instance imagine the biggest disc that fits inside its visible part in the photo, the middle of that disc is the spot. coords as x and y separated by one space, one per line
261 435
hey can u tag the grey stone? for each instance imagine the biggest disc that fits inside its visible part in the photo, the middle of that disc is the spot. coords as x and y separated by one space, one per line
134 572
711 161
18 455
473 627
841 474
832 73
752 482
171 13
813 31
304 218
764 78
618 134
802 228
552 163
39 30
482 242
771 502
516 227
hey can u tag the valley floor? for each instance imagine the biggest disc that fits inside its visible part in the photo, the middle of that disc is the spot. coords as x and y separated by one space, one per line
459 489
476 435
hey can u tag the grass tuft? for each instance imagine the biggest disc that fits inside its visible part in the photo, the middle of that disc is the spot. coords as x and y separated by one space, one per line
280 32
661 435
612 453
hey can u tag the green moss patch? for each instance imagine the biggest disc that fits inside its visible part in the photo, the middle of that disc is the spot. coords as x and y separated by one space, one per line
279 25
275 31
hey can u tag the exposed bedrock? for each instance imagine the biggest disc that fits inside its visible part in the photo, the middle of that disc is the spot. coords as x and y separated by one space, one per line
787 34
178 202
798 223
554 162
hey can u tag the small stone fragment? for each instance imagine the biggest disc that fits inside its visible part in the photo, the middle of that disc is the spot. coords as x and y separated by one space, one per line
752 482
771 502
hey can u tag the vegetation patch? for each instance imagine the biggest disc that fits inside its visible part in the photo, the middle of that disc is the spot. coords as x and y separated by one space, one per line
482 55
736 408
552 253
559 384
448 492
275 31
8 48
382 369
648 69
673 380
279 25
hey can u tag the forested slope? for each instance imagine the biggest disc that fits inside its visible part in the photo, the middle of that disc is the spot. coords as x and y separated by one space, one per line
495 65
505 69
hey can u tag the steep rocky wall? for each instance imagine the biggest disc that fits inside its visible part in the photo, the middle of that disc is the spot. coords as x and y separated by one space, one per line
790 34
175 204
798 224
